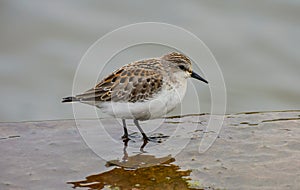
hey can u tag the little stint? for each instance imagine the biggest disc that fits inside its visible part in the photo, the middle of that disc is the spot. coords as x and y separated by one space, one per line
141 90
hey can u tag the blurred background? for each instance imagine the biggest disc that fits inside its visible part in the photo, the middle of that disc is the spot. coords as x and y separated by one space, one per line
256 44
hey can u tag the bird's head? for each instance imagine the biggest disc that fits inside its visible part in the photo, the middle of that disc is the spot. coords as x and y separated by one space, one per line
181 62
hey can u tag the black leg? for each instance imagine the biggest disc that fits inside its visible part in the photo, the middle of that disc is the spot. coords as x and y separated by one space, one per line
141 130
125 136
143 146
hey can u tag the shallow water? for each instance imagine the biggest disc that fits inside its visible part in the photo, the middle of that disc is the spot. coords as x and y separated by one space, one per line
256 44
252 151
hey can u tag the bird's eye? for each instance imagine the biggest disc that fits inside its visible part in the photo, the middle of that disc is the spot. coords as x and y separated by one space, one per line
182 67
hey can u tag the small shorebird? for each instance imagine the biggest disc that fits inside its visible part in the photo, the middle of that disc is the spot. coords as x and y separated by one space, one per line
141 90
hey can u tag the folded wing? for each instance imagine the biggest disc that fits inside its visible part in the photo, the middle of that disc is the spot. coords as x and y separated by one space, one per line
126 85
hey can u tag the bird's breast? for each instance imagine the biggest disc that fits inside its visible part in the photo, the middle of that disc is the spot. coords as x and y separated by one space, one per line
173 93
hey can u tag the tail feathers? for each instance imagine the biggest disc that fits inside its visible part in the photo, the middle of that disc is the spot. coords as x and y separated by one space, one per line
70 99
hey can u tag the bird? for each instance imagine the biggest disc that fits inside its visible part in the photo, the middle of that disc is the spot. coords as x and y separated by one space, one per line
141 90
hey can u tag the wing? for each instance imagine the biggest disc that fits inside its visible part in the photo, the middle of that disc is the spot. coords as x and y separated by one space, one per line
128 84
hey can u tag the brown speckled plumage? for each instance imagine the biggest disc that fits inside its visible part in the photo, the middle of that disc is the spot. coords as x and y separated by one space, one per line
135 82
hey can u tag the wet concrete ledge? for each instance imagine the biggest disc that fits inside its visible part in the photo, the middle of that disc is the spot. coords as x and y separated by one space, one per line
258 150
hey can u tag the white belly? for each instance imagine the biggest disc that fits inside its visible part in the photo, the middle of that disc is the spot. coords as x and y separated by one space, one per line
163 103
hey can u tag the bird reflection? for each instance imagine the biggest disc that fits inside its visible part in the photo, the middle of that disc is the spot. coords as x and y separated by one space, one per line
125 141
139 171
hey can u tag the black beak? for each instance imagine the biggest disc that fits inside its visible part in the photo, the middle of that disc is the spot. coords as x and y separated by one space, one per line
196 76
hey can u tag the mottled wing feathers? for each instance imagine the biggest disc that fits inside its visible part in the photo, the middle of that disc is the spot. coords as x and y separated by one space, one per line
132 83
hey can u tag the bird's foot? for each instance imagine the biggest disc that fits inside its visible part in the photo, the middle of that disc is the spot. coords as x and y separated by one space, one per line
158 138
146 140
130 137
125 138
